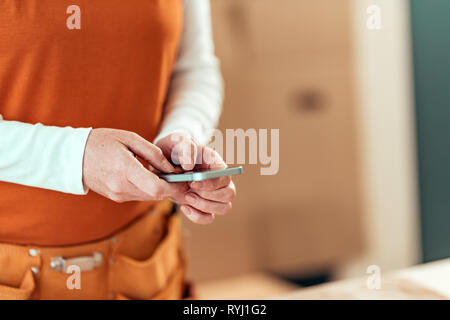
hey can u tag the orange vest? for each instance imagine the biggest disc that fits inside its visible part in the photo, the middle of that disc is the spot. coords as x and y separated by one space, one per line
80 63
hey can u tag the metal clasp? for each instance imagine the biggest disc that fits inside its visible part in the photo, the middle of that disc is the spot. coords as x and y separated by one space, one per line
84 263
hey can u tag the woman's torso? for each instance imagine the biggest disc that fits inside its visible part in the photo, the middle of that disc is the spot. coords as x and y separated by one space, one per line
110 70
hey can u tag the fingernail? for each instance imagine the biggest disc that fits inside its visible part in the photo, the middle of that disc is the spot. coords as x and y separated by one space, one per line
185 210
188 213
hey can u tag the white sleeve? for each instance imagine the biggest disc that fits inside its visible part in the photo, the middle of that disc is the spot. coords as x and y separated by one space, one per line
42 156
195 94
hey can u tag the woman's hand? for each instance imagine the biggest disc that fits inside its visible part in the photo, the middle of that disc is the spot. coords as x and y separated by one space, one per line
205 198
111 168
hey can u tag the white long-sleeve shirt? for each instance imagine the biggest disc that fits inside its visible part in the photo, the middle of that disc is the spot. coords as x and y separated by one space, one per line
52 157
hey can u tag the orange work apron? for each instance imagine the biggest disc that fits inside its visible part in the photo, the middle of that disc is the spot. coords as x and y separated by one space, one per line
142 261
82 63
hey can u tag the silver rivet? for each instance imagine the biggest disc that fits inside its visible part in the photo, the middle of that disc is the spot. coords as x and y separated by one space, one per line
114 240
112 295
33 252
54 264
34 270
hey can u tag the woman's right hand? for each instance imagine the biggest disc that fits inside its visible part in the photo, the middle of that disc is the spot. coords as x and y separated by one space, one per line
110 168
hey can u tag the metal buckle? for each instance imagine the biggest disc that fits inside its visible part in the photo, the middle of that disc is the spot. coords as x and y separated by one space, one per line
84 263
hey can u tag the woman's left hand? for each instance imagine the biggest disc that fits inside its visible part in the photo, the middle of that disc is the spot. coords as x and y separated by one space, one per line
206 198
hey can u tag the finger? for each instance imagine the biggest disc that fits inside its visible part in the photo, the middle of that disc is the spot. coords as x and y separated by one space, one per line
172 146
185 154
197 216
135 194
211 159
224 195
128 192
147 181
212 184
152 169
177 191
207 206
149 152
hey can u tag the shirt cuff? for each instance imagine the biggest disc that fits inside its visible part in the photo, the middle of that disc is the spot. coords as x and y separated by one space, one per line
75 146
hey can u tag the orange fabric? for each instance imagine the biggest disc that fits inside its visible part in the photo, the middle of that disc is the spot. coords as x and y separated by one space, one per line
143 261
113 72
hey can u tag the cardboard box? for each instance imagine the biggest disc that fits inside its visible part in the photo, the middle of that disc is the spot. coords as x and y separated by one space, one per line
293 73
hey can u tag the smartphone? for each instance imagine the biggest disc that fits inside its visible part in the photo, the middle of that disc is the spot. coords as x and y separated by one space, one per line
202 175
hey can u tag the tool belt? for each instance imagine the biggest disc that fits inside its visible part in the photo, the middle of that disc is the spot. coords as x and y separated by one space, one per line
142 261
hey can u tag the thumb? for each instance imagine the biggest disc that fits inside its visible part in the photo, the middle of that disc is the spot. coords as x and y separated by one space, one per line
181 149
186 154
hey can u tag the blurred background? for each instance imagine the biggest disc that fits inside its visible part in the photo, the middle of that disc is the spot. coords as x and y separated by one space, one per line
364 158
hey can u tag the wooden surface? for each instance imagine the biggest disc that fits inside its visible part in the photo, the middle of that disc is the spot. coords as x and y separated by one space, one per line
249 286
428 281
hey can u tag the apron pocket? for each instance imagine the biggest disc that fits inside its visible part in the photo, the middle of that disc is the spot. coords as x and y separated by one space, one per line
145 279
23 292
174 290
